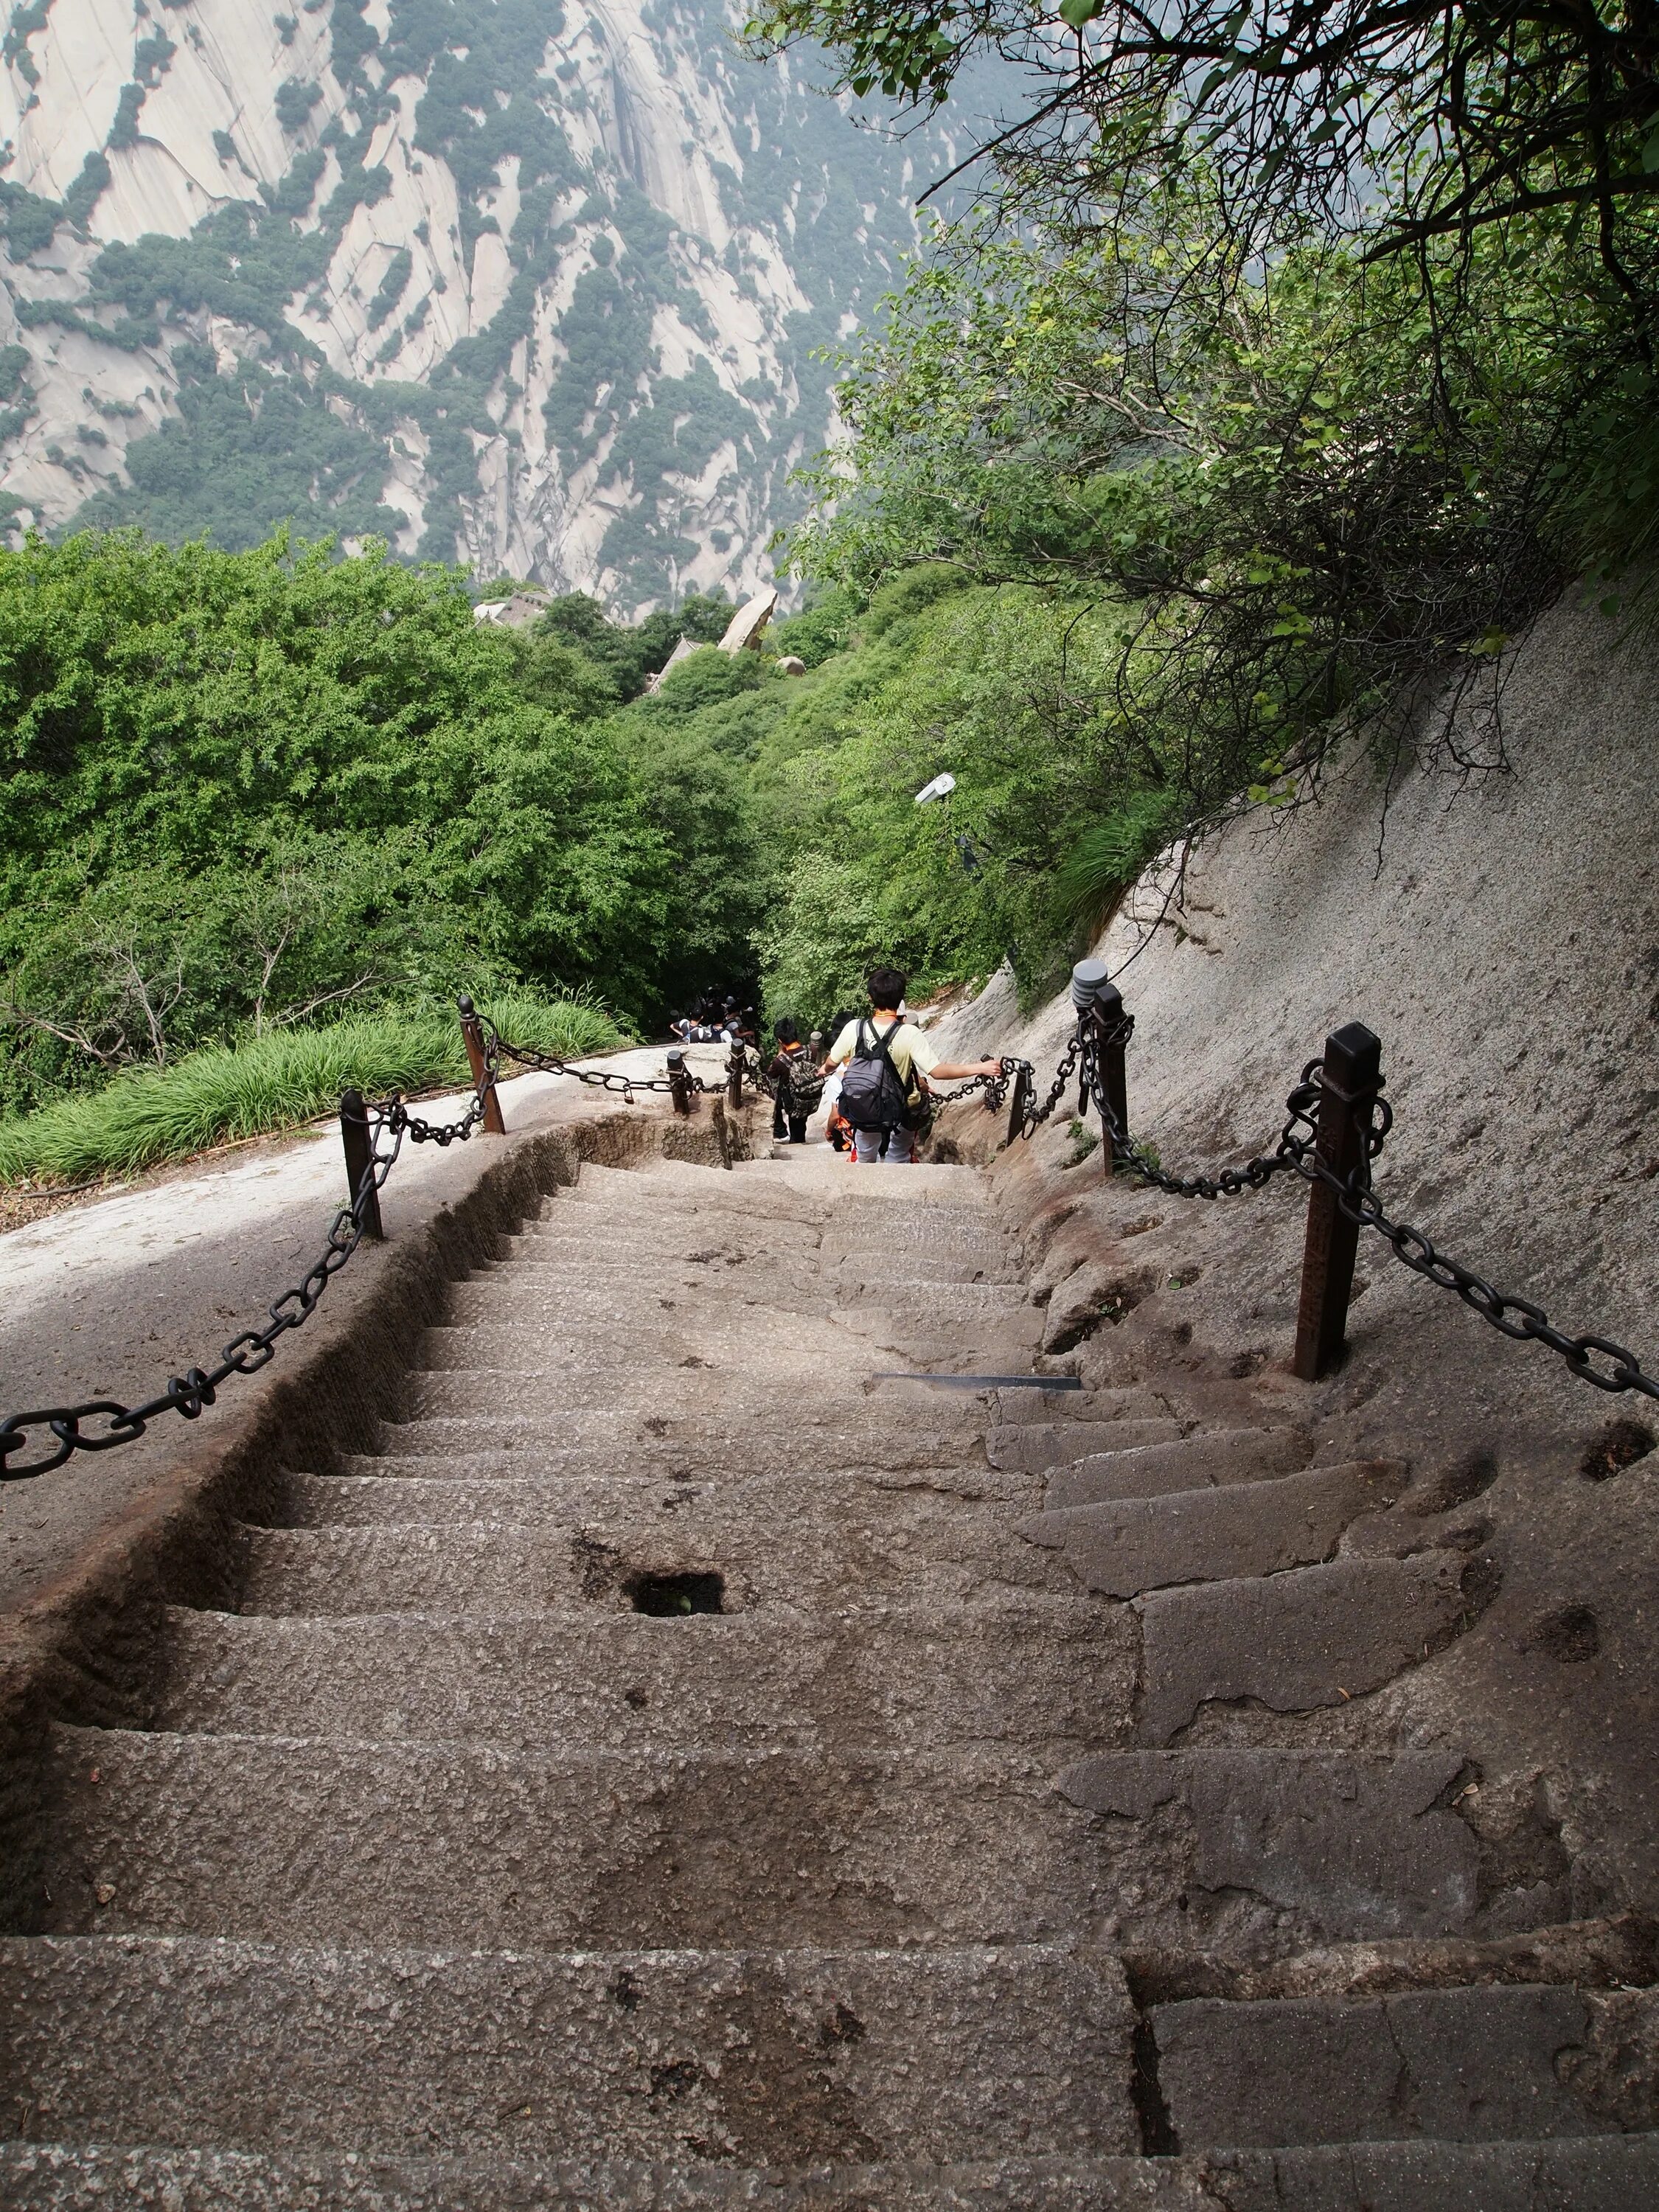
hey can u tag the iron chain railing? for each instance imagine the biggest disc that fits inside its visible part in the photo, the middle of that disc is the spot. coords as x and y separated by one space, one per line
1360 1118
1333 1131
25 1450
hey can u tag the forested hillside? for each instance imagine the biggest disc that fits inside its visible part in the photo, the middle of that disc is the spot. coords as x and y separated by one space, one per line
1214 448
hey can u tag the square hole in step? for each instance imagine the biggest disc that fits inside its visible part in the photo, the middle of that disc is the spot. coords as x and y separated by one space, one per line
673 1597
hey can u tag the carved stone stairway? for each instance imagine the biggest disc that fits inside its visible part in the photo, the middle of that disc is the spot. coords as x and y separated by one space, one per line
678 1770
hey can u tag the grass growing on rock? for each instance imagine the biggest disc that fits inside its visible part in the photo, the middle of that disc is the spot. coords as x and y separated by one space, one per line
271 1083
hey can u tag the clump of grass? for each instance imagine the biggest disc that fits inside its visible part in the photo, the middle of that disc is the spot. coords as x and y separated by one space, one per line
271 1083
1084 1140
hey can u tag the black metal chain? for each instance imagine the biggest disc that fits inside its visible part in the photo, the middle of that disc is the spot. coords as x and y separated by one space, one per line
1511 1315
599 1078
187 1394
1034 1117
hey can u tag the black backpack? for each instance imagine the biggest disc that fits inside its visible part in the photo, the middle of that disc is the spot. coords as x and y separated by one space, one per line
873 1092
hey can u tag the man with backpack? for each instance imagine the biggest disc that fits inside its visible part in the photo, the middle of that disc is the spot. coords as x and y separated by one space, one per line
886 1058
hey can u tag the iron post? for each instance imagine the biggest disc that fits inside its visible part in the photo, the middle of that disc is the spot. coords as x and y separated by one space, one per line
473 1034
1019 1091
1349 1081
362 1194
1100 1004
679 1081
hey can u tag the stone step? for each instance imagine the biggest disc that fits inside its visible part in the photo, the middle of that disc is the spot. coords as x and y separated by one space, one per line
539 1288
631 1193
790 2057
729 1395
815 1167
1137 1544
1483 2064
728 1257
1037 1446
925 1241
922 1547
711 1377
1601 2174
878 1506
925 1236
1032 1670
1196 1462
850 1432
514 1412
626 1363
1248 1851
280 1840
1315 1636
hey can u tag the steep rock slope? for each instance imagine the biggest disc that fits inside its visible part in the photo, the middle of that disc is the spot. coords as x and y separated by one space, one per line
538 287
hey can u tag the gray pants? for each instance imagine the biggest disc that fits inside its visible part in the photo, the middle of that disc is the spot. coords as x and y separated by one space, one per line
866 1144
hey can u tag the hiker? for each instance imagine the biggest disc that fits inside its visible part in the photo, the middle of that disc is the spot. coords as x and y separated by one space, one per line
884 1058
797 1086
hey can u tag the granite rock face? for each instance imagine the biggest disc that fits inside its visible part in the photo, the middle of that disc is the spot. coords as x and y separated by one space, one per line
592 247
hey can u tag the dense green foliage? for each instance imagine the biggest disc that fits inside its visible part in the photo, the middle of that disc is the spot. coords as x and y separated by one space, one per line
267 1084
237 792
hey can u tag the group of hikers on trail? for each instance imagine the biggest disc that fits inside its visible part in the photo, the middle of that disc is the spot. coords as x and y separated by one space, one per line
881 1098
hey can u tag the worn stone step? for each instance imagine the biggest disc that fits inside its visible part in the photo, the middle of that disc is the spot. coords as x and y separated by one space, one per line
760 2057
855 1432
923 1547
1195 1462
653 1310
927 1238
770 1507
630 1194
841 1382
631 1392
753 1239
817 1166
1314 1637
634 1360
1037 1446
1248 1850
923 1235
316 1841
1136 1544
1023 1670
1500 2064
732 1257
1576 2174
508 1412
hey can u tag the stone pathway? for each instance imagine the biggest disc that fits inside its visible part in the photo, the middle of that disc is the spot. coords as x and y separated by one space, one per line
677 1771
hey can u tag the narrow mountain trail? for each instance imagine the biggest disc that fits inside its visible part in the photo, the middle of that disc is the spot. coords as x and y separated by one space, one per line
679 1770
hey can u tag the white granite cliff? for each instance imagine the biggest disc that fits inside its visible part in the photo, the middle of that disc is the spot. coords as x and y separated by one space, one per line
200 106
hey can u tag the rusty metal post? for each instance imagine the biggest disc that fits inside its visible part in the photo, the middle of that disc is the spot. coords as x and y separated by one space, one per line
1100 1003
1349 1084
360 1163
679 1082
473 1034
736 1061
1019 1091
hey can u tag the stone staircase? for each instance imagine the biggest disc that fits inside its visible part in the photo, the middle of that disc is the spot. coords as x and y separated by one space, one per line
678 1770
